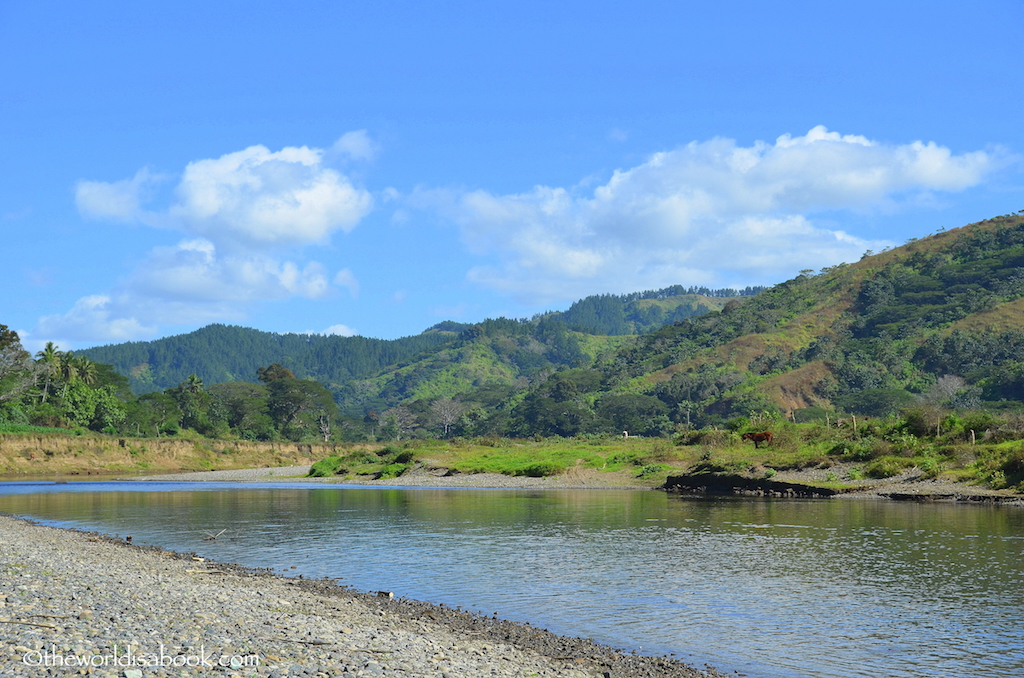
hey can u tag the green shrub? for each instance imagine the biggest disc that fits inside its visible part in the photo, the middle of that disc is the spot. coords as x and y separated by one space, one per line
392 470
325 468
403 457
540 469
650 470
923 421
660 451
622 458
1012 468
738 424
887 467
711 437
865 449
930 467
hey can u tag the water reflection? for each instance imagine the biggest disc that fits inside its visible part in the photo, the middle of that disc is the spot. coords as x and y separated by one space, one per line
776 588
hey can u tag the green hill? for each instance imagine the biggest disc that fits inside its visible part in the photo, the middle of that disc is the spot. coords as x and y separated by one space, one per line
436 362
224 353
937 320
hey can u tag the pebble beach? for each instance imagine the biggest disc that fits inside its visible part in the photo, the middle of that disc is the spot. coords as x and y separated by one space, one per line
420 477
82 603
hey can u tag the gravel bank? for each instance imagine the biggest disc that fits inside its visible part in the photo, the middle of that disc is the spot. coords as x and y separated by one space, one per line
418 478
71 594
909 485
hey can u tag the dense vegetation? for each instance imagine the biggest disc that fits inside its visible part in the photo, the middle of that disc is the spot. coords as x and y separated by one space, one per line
224 381
971 447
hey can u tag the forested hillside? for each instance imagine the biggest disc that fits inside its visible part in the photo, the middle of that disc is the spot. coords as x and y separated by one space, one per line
223 353
937 321
644 312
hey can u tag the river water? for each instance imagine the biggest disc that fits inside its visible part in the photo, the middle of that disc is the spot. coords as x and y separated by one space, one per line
774 588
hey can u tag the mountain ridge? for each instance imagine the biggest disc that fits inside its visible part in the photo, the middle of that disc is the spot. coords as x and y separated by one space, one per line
222 353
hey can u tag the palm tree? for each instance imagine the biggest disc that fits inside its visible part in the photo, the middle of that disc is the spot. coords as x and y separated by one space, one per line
194 384
49 364
68 370
74 367
86 369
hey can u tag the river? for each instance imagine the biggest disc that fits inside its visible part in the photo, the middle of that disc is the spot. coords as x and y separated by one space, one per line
774 588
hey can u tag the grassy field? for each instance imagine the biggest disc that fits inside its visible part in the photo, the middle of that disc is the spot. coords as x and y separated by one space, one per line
878 450
976 448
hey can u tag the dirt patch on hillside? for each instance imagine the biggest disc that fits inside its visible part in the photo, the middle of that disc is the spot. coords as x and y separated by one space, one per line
794 390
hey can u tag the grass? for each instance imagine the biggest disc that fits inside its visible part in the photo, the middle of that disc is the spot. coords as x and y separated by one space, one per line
27 428
880 450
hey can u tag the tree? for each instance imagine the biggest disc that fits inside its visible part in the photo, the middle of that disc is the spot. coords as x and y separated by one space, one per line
17 371
194 404
633 412
159 411
273 373
396 421
445 412
296 405
546 416
48 361
245 407
86 369
67 370
96 408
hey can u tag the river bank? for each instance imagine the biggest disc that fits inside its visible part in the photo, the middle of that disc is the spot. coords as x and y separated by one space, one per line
67 595
26 457
908 486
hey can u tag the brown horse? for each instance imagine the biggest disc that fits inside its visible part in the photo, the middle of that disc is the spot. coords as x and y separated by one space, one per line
758 438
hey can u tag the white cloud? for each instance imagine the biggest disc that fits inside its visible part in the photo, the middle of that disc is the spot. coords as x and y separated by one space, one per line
93 318
711 213
357 145
118 200
193 271
240 210
188 283
340 330
345 278
253 199
256 199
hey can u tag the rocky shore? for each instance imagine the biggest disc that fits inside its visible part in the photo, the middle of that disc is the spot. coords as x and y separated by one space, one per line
418 478
70 598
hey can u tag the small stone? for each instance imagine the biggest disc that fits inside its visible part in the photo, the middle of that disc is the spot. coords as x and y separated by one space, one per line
132 673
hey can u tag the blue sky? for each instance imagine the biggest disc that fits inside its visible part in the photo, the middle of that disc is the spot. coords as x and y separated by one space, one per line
375 168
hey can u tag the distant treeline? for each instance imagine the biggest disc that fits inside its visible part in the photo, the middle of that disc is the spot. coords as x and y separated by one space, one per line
679 290
632 313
